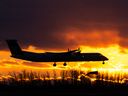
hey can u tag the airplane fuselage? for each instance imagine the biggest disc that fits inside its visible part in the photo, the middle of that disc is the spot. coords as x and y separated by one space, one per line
59 57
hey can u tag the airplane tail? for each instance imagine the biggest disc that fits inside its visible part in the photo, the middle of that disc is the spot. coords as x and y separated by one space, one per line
14 47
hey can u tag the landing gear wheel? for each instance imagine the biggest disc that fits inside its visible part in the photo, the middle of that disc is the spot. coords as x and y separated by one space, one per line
54 64
65 64
103 62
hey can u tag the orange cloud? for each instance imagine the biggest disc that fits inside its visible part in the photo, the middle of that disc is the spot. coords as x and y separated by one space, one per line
93 38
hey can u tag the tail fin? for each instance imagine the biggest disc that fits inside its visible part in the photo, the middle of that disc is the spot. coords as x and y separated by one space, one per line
14 47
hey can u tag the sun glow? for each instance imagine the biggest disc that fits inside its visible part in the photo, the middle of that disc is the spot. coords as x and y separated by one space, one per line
117 60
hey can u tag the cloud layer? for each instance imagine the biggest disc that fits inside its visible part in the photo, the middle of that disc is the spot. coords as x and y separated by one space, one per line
67 23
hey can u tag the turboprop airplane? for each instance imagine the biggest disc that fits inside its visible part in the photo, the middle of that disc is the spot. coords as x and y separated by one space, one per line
69 56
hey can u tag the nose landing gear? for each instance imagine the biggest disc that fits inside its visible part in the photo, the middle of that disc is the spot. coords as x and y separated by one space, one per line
103 62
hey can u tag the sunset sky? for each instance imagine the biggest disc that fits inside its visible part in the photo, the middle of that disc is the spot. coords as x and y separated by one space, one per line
56 25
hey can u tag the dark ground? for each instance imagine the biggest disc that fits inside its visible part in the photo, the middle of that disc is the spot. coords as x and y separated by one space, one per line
62 87
64 91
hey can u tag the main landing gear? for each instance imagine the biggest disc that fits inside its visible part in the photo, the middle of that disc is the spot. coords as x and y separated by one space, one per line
54 64
65 64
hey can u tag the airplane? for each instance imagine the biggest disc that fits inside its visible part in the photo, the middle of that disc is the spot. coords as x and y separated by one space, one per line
68 56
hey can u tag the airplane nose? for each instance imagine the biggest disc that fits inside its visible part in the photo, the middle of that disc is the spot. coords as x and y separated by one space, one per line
105 58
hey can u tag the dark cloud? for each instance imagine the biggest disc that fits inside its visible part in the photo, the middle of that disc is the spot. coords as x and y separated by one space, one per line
45 23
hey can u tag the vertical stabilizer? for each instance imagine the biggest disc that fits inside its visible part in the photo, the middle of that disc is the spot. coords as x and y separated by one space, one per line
14 47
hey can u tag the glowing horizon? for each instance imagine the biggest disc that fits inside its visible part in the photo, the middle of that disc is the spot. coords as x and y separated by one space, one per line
117 60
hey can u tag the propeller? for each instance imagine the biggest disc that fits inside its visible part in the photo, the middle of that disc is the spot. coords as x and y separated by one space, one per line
79 49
